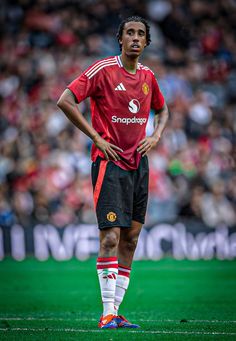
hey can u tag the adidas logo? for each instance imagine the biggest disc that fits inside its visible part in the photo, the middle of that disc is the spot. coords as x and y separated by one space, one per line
120 87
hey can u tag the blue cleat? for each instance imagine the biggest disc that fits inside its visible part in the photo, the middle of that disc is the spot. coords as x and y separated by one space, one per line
123 323
108 322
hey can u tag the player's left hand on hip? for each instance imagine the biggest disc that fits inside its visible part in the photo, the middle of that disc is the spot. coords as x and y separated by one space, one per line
147 144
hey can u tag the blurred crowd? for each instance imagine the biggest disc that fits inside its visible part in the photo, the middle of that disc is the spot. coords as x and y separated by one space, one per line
45 162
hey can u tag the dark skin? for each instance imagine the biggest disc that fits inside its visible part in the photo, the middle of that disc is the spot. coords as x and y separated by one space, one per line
115 241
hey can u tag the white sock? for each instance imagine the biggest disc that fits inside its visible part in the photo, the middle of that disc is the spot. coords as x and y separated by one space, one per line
107 269
122 284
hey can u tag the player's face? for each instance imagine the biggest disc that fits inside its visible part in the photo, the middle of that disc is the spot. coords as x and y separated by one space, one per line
133 38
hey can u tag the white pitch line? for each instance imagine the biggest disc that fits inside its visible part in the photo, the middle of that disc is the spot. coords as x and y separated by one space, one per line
46 319
72 330
197 321
29 318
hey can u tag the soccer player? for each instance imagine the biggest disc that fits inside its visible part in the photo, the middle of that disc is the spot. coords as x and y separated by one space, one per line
122 93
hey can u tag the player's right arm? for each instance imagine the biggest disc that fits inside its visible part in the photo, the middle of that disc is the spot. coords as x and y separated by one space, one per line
70 108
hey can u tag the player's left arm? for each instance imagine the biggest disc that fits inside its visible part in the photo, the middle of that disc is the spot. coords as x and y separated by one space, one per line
160 121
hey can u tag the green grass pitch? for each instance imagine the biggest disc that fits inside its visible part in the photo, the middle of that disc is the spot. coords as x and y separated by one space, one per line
171 300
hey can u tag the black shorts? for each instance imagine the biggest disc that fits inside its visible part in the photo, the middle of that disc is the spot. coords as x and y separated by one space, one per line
120 196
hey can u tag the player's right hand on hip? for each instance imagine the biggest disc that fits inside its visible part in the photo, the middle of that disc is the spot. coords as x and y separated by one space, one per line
108 149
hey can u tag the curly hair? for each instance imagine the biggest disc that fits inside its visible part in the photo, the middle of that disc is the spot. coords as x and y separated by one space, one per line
136 19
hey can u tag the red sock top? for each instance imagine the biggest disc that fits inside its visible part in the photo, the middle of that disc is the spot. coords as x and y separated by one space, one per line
107 262
124 270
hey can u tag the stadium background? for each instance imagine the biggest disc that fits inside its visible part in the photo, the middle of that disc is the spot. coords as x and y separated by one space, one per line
45 162
46 204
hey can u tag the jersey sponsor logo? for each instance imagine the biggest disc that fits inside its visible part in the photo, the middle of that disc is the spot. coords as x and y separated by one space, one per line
128 120
111 216
120 87
134 106
145 88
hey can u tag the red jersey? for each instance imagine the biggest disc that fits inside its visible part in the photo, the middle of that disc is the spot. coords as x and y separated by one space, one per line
120 105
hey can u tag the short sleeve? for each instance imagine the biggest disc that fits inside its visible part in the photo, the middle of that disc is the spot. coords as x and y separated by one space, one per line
157 97
83 87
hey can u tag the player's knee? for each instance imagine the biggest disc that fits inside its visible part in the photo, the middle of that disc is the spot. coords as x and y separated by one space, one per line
109 241
131 244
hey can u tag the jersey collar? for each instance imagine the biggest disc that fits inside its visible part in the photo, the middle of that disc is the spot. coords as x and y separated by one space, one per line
121 64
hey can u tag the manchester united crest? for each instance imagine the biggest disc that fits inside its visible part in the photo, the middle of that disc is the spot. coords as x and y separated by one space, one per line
111 216
145 88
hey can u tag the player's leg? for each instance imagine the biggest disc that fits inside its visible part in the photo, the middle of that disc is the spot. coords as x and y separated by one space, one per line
129 237
107 198
128 243
109 240
126 248
107 269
